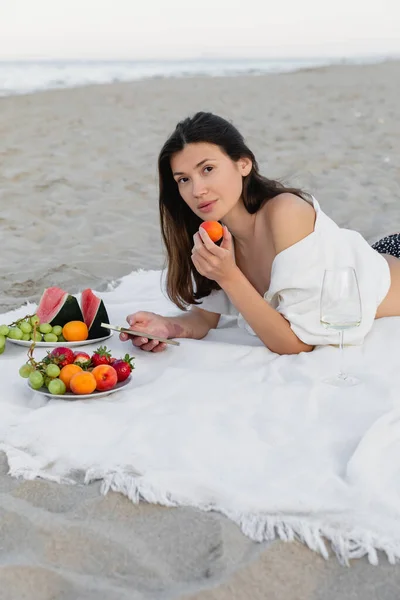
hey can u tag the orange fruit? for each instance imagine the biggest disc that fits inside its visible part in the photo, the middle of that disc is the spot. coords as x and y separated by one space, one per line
83 383
214 230
75 331
68 372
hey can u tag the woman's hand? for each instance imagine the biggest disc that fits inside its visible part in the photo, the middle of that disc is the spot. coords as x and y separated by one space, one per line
150 323
212 261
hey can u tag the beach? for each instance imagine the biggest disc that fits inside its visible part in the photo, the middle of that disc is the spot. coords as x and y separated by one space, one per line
78 199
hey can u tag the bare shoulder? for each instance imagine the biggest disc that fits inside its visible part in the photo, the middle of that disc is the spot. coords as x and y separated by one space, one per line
289 219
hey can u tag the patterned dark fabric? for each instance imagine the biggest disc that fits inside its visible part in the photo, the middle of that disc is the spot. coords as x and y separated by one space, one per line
389 245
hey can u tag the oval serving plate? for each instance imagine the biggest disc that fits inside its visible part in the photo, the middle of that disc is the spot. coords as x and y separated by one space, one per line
27 343
68 396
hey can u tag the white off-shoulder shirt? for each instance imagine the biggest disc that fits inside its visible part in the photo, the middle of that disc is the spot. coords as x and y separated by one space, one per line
297 275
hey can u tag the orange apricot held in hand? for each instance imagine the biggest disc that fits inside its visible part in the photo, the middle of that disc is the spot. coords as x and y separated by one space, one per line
83 383
67 373
214 230
75 331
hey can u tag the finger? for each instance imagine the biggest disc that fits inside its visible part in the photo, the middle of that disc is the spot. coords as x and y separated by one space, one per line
160 347
208 243
200 249
201 264
137 317
151 344
123 337
138 341
197 241
130 319
227 239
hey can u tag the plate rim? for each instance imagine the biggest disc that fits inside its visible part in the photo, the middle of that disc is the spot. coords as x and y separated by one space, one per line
27 343
95 394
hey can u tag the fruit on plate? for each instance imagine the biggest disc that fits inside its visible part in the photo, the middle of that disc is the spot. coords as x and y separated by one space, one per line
58 307
106 377
123 366
68 372
61 356
94 313
214 230
83 383
75 331
82 359
58 372
29 329
101 356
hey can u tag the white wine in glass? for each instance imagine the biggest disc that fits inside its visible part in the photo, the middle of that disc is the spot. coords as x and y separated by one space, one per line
341 310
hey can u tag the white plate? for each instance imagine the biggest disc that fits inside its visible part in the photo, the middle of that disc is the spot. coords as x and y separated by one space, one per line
68 396
28 343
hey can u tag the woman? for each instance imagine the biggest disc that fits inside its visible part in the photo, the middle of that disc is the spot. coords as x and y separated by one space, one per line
276 245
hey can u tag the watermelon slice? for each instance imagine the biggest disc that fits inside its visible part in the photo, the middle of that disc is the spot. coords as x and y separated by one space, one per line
94 314
57 307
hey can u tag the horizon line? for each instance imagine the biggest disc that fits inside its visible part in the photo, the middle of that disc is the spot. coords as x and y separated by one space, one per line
208 57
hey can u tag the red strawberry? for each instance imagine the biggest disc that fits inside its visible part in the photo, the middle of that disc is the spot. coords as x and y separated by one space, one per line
101 357
124 367
63 355
82 359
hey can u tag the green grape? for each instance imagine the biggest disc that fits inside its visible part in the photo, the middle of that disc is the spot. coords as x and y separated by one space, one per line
15 333
45 328
2 350
37 337
47 380
34 320
61 338
26 370
4 329
50 337
26 337
2 341
36 380
57 387
52 370
25 327
57 330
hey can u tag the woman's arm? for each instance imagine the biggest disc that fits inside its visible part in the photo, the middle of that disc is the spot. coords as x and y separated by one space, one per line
290 219
195 324
269 325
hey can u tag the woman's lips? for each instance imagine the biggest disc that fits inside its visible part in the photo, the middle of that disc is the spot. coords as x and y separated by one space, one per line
207 207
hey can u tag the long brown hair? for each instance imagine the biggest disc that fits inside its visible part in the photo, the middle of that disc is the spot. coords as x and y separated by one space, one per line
179 223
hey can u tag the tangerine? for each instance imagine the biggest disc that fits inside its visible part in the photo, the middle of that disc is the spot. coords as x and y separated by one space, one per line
83 383
75 331
214 230
68 372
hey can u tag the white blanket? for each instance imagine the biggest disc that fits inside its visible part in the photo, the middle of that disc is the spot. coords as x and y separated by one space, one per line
224 424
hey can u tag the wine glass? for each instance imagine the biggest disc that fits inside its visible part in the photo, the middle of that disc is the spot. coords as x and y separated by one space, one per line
340 310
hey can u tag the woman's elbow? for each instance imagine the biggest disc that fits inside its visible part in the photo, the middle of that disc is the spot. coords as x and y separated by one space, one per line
294 347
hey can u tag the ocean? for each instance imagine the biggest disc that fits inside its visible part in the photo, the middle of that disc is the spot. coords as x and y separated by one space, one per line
23 77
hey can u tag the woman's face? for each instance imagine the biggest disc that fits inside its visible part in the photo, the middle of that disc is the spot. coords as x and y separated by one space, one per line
208 180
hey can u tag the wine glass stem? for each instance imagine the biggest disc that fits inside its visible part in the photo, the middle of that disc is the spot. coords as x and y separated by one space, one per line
341 363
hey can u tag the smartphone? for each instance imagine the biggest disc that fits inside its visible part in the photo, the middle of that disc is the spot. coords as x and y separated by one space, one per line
140 334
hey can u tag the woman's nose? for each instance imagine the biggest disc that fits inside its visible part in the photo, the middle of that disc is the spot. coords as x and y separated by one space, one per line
198 189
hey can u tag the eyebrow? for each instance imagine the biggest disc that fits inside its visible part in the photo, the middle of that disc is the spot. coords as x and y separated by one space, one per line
196 167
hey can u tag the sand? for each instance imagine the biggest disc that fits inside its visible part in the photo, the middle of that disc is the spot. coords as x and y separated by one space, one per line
78 199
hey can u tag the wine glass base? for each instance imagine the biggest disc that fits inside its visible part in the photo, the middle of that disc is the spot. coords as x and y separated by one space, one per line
342 380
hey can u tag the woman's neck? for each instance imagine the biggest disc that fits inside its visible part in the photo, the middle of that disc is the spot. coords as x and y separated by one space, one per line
242 225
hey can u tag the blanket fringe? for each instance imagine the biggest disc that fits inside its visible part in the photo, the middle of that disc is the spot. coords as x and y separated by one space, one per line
346 545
